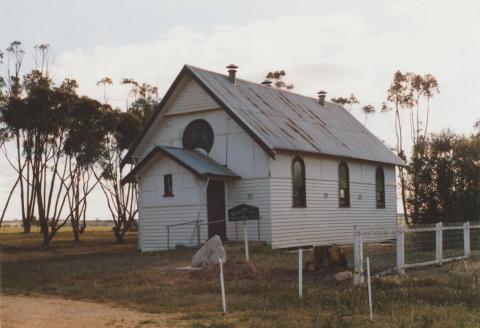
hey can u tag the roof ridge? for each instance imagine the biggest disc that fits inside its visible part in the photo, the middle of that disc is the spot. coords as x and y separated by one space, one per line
260 84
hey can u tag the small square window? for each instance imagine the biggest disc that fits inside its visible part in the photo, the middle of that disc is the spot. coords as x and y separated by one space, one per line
167 186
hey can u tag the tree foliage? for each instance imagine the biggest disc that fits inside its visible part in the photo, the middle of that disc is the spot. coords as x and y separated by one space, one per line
404 95
145 99
277 78
122 129
351 101
58 137
444 182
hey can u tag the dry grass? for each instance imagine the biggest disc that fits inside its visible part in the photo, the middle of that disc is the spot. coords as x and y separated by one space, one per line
262 295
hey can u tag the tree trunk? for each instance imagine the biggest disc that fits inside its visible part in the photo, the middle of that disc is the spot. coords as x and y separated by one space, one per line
118 235
404 196
8 201
46 242
76 235
26 226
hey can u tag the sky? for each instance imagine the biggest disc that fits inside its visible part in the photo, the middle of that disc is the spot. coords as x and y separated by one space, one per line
342 47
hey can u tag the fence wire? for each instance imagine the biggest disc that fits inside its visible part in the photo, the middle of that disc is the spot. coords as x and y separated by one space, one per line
475 238
422 245
419 245
453 242
380 247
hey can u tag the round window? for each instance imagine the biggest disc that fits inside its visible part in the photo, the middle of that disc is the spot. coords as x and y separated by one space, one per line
198 134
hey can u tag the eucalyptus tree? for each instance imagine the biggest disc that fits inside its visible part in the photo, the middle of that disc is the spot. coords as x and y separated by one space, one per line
4 136
429 88
84 145
48 111
351 101
404 95
368 110
448 190
399 95
145 99
58 135
122 128
12 111
277 78
38 115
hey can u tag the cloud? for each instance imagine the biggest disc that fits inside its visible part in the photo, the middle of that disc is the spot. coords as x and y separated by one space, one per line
287 42
342 53
353 50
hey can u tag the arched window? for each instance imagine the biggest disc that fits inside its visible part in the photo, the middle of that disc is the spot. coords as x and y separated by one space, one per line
380 187
343 185
299 198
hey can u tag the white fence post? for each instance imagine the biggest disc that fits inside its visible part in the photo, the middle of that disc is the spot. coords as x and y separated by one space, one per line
245 237
400 250
438 242
300 272
358 256
370 310
222 286
466 239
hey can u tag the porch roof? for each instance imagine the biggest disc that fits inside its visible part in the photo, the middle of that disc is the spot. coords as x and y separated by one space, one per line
194 161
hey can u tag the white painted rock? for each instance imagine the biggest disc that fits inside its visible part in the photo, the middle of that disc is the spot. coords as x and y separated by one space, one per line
209 253
345 275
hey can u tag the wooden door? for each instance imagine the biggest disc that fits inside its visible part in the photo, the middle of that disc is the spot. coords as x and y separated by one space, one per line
216 209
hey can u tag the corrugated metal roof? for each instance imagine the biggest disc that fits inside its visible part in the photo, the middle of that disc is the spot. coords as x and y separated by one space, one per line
201 164
286 121
194 161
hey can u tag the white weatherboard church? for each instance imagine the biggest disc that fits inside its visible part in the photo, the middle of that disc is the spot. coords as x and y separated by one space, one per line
216 141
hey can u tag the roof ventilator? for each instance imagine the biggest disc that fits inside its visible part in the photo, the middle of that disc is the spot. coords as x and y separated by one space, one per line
232 72
321 97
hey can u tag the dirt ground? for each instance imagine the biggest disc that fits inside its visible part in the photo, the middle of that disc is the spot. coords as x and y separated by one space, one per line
49 312
99 283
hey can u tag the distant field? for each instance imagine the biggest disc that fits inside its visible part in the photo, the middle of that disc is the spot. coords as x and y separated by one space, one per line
65 230
263 294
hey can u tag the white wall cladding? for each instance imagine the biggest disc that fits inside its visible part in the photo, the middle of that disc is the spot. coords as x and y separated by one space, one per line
255 192
187 91
154 232
265 183
232 147
323 221
156 211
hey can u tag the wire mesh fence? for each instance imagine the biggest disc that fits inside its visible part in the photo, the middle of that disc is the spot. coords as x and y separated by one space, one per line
184 234
453 241
475 238
420 244
188 234
406 247
380 247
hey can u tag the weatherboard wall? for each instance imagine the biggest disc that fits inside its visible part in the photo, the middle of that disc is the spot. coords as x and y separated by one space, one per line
265 183
322 221
255 192
157 211
232 147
